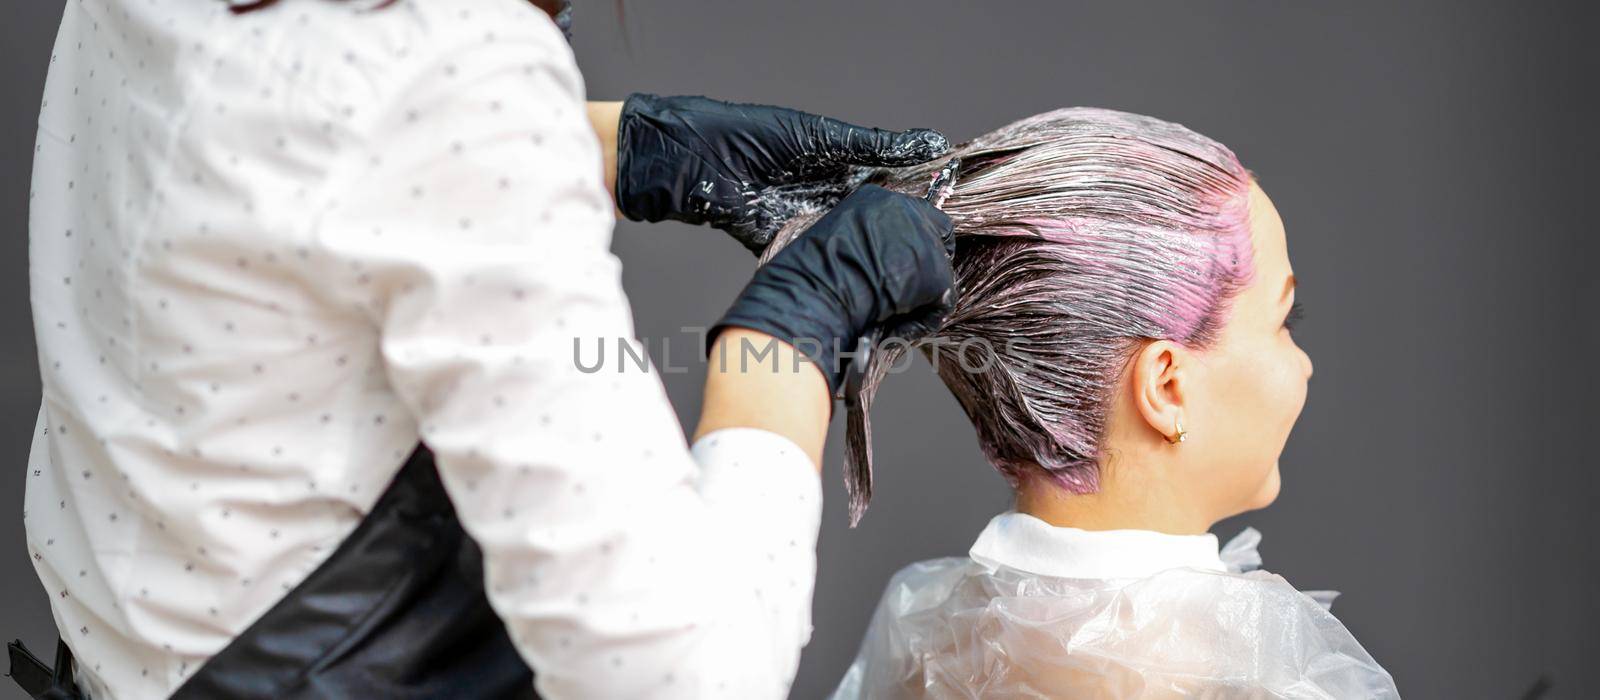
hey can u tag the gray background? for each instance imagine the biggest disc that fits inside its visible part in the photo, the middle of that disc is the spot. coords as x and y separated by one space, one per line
1432 165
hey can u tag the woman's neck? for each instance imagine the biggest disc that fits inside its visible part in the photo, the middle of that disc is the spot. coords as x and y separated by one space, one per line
1115 506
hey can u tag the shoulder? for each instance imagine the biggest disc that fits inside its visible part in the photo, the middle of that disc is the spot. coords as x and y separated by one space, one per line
483 29
925 584
340 52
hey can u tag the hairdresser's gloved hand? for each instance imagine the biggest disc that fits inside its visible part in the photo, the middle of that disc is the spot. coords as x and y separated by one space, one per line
878 260
744 168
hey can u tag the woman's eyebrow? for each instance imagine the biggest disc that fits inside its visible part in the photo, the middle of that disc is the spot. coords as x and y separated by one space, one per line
1288 285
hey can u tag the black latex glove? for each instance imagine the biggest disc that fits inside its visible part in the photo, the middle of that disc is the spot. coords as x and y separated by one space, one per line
746 169
879 260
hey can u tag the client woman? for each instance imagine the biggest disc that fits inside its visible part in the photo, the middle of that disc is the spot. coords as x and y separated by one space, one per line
1121 342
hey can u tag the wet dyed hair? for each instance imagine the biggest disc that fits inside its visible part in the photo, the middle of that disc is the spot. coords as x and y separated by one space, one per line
1081 234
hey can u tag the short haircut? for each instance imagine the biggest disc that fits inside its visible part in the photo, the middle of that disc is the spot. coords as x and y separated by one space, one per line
1081 234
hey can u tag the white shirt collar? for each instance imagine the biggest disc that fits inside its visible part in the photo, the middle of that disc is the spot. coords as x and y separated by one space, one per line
1023 542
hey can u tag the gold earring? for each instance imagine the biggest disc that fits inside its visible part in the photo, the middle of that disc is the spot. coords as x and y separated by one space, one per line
1181 433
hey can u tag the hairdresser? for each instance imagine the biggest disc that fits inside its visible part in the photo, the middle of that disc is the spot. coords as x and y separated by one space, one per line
274 249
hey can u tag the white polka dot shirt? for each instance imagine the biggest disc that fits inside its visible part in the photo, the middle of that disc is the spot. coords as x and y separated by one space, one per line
271 252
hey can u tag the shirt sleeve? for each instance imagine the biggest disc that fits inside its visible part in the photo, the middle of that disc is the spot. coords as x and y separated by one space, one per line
622 566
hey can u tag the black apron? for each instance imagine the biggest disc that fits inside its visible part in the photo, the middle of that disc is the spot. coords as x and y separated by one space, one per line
397 611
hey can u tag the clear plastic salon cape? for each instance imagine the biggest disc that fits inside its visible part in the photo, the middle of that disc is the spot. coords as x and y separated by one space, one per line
955 628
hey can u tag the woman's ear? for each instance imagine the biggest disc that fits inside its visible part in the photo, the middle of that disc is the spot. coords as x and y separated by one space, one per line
1158 381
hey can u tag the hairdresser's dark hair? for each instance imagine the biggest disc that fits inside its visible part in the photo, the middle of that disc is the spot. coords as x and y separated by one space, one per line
1080 235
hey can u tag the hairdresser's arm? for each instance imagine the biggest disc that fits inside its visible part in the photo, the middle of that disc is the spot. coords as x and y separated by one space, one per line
603 118
878 258
781 393
624 563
